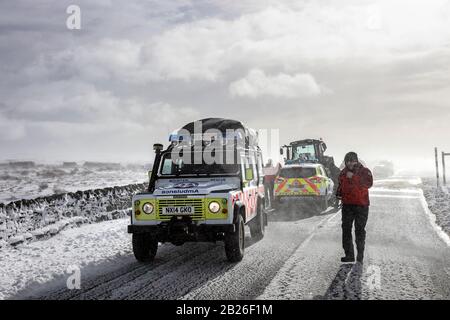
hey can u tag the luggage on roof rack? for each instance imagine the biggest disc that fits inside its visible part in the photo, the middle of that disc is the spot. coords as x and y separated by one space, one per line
210 129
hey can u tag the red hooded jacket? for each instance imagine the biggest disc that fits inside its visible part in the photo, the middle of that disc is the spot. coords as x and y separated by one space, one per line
355 190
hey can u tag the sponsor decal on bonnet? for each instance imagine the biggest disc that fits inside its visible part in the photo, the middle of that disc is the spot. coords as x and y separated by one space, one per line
178 191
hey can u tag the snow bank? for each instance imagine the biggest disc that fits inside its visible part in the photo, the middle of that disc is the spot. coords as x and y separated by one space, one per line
438 200
46 216
29 268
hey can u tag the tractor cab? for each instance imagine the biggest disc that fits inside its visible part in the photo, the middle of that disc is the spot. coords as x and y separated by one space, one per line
307 150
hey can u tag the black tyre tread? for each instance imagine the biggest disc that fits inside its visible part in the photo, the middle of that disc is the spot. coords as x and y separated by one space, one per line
144 247
232 249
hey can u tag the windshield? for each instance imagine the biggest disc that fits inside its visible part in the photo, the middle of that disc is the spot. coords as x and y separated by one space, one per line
304 153
178 167
297 172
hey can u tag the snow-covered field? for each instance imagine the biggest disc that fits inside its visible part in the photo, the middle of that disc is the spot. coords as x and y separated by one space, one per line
438 200
46 263
32 181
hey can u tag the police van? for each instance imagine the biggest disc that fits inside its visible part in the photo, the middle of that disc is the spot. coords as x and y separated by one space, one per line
205 186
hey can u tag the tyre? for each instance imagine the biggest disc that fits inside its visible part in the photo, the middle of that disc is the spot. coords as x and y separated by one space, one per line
144 247
257 225
235 242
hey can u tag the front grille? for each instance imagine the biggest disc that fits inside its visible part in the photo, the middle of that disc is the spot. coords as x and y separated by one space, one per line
196 203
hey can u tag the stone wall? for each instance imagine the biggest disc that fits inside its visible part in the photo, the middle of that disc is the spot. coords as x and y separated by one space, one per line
42 217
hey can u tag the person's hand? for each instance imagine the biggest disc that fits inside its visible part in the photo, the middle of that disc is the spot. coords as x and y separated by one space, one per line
349 174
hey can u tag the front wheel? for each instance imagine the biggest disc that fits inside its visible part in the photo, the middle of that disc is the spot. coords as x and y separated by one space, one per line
144 247
234 242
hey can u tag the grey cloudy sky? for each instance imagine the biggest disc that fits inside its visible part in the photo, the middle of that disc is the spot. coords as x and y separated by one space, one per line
371 76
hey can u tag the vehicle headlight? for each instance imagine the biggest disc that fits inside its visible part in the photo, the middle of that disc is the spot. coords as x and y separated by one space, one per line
148 208
214 206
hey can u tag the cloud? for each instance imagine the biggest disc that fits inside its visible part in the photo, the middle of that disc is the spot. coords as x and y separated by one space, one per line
281 36
256 84
11 130
137 70
290 38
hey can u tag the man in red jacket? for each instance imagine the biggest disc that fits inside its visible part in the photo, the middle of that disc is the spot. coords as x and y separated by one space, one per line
353 190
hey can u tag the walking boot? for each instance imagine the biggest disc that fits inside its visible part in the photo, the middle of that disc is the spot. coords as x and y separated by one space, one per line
348 259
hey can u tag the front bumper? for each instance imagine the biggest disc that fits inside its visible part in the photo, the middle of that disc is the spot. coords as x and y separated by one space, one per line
179 232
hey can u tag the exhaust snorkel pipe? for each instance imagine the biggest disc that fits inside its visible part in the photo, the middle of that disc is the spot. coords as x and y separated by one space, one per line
157 147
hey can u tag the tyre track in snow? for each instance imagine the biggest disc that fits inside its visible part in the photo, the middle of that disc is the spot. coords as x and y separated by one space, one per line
210 276
180 279
249 278
199 270
149 274
103 286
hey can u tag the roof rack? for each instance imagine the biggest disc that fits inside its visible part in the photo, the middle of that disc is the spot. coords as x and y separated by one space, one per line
227 132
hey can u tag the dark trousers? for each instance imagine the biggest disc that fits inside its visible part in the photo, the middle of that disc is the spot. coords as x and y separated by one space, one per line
269 186
358 214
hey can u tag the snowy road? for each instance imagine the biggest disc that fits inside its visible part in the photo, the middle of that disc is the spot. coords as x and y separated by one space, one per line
407 258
